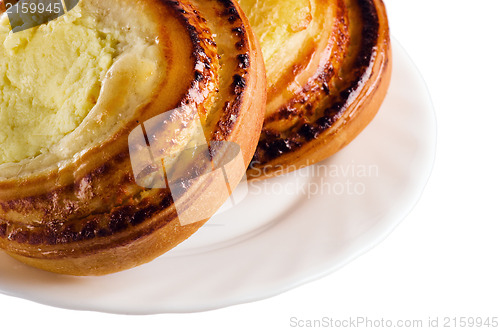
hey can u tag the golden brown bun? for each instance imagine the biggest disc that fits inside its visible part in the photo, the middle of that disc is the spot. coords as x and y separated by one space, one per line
325 96
86 215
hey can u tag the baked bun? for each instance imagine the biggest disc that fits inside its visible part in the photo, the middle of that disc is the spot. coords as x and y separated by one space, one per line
328 68
121 95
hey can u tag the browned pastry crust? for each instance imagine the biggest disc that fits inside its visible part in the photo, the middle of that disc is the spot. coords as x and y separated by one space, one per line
2 5
345 74
89 217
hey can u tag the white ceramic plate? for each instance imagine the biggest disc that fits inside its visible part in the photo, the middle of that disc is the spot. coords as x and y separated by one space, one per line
284 233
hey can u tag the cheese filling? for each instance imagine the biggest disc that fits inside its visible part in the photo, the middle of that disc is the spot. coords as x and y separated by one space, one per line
50 79
281 27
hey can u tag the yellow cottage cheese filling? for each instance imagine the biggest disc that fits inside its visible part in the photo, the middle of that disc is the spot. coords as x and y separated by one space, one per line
50 78
275 22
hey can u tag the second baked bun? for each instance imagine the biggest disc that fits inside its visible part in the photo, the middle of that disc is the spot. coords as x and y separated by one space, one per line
90 198
328 67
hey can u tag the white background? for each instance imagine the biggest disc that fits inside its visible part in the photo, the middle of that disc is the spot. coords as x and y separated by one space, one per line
443 260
